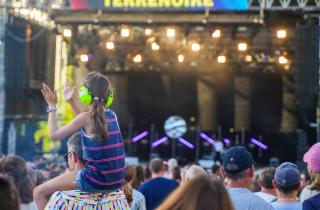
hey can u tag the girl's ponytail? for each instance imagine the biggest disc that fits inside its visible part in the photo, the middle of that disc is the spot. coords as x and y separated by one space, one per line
99 126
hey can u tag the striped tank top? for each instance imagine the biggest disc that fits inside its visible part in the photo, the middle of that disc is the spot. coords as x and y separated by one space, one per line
104 158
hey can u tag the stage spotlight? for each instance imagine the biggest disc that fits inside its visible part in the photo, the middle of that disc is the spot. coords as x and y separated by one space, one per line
171 32
84 58
282 60
110 45
155 46
281 34
148 31
248 58
242 46
125 32
180 58
221 59
137 58
67 33
195 47
216 33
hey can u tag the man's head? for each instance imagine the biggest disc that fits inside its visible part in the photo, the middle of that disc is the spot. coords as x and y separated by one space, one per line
157 167
194 171
238 165
265 178
287 179
74 155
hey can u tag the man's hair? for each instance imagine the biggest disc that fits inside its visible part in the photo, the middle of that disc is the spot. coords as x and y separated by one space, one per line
266 176
75 145
195 171
287 189
237 176
156 165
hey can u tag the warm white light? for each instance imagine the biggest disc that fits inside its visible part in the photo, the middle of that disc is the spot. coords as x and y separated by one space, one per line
281 34
171 32
216 33
84 58
195 47
137 58
147 31
248 58
282 60
242 46
180 58
221 59
67 33
155 46
110 45
125 32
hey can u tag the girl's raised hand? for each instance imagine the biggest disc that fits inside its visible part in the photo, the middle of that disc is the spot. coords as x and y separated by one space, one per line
68 91
50 97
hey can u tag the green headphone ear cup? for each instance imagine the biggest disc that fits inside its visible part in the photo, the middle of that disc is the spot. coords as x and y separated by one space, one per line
110 99
85 95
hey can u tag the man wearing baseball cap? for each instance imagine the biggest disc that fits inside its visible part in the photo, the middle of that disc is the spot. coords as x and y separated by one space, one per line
287 184
238 169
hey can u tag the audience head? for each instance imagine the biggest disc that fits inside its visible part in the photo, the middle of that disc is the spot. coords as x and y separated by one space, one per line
176 174
157 167
194 171
305 179
238 165
75 158
266 176
216 170
8 194
202 192
172 163
312 158
255 187
130 174
16 168
139 178
287 179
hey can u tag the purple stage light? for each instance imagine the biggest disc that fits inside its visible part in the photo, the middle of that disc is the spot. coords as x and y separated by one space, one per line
140 136
207 138
259 144
227 141
186 143
160 141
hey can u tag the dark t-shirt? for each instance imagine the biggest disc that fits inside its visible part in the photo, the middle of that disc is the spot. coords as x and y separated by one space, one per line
156 190
312 203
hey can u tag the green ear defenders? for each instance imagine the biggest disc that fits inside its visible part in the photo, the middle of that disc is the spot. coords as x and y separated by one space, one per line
87 98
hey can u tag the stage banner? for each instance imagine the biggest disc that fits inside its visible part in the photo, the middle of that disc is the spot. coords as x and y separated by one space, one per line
160 5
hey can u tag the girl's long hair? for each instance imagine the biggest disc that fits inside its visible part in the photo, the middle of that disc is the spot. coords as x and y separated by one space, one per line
99 86
203 192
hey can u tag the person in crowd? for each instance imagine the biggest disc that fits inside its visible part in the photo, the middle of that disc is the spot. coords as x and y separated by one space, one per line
238 169
147 173
267 192
138 200
194 171
312 158
8 194
139 178
255 187
158 187
16 168
76 199
216 170
305 180
287 184
101 138
171 164
176 174
200 193
312 203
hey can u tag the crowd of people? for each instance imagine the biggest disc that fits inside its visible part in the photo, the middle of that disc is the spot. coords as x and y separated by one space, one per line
155 185
97 177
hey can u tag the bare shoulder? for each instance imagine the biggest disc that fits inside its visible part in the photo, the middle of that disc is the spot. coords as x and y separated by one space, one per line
83 117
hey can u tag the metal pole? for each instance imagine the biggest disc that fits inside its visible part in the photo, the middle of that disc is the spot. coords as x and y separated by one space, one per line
3 21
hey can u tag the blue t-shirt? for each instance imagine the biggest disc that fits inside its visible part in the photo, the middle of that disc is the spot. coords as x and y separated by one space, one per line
244 199
312 203
287 206
156 190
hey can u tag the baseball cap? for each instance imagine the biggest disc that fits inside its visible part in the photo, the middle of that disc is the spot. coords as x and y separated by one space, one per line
287 174
312 158
237 159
